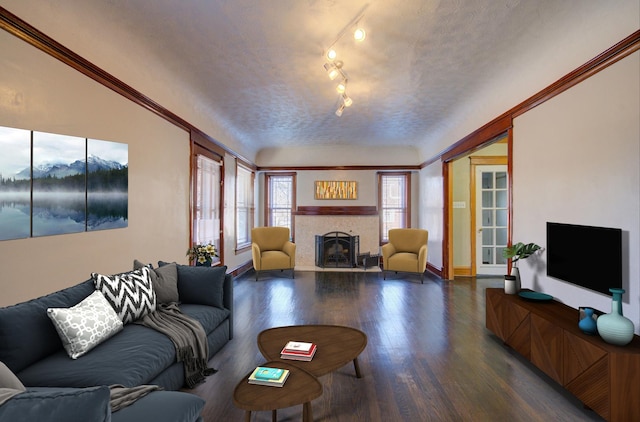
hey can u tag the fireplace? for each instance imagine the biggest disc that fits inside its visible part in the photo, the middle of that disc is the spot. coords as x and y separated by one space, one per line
337 249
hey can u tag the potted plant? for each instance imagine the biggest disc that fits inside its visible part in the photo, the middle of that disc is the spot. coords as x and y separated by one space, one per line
515 253
202 255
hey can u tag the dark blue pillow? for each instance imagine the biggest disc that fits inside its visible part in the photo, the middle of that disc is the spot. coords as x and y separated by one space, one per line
58 404
201 285
26 332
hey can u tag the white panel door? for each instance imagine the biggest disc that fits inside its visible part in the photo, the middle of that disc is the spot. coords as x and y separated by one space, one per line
492 210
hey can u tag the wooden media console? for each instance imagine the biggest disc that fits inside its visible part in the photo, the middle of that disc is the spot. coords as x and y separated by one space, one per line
606 378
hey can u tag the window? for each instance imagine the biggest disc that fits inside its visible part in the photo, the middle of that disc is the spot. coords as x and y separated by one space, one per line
280 200
244 206
393 202
206 224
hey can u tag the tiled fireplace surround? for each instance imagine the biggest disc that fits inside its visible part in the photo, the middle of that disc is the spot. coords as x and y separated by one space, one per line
359 221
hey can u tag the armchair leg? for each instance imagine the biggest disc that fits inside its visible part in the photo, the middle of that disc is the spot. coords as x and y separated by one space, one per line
293 273
257 275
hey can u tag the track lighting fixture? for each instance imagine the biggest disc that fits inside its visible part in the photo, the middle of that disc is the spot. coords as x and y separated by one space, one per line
334 67
359 34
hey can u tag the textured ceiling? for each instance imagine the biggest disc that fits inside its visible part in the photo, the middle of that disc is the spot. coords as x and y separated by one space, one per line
256 67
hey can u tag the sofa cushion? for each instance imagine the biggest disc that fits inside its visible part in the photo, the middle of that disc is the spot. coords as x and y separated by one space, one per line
162 406
164 280
85 325
132 357
209 317
26 333
131 294
58 404
201 285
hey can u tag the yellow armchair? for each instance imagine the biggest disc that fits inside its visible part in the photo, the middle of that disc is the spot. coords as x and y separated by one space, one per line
271 249
406 252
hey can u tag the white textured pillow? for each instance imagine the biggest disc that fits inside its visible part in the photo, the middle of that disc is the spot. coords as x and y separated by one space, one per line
85 325
131 294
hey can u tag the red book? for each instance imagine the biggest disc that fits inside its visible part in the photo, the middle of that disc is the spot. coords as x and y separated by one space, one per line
292 352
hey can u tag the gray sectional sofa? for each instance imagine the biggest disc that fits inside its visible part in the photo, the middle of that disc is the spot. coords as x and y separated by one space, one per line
137 355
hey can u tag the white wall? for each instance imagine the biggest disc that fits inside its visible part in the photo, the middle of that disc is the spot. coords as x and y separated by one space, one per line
576 159
38 92
367 182
314 156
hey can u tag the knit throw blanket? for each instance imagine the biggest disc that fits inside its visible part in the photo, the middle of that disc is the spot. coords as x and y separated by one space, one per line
187 336
123 397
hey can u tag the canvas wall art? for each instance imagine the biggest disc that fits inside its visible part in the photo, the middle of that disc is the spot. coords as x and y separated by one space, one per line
335 190
15 183
54 184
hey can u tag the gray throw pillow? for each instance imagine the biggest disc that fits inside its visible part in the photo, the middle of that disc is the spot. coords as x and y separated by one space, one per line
164 280
85 325
10 385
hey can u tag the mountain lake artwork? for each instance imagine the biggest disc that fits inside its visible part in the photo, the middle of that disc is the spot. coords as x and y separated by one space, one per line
74 185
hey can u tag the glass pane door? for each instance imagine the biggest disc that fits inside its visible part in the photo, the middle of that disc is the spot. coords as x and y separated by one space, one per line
492 202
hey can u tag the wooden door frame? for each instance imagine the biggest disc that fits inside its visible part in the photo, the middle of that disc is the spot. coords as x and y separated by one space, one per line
474 162
481 140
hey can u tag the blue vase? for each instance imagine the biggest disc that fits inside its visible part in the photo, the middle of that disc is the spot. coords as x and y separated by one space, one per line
206 263
615 328
587 324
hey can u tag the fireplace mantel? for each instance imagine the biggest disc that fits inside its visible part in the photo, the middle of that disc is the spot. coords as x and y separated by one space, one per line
350 210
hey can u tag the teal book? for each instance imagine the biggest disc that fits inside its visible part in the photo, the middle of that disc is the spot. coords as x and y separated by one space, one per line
264 373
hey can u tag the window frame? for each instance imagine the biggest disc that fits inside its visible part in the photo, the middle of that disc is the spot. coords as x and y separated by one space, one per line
249 207
197 151
405 209
267 199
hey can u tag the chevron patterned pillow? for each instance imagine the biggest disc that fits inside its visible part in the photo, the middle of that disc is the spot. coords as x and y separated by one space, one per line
131 294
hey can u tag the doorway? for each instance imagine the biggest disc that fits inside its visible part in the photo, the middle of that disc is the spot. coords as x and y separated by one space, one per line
489 215
463 250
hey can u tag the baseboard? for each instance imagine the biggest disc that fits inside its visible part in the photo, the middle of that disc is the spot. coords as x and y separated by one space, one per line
462 272
241 269
375 269
437 271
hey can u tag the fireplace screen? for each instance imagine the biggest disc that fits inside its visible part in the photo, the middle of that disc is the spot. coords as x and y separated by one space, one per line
337 249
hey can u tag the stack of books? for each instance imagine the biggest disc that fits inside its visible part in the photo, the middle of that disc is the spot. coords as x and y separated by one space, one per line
273 377
298 350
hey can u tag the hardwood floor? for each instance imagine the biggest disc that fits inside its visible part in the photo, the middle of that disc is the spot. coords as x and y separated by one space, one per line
429 356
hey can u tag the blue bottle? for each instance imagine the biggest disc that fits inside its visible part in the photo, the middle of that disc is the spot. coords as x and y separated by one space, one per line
587 324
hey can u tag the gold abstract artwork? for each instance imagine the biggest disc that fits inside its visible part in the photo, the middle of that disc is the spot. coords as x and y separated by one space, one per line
335 190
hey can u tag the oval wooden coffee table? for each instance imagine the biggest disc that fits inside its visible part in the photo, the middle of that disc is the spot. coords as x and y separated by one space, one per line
300 388
337 346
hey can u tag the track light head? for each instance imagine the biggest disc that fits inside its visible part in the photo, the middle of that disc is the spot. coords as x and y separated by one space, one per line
342 87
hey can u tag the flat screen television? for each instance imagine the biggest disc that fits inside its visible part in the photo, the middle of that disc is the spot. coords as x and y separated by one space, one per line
587 256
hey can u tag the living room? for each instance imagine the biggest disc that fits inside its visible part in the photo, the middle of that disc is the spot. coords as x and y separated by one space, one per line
574 152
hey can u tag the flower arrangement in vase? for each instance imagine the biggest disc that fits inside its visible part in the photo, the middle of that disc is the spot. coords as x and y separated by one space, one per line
517 252
202 255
